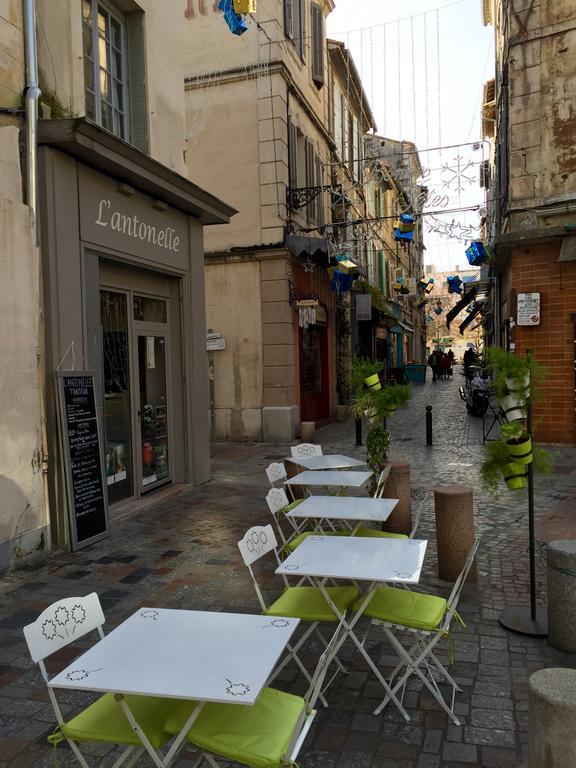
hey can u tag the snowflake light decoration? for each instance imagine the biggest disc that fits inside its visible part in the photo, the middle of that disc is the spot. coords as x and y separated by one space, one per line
458 175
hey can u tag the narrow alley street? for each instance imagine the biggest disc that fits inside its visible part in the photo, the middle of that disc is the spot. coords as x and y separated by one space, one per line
182 553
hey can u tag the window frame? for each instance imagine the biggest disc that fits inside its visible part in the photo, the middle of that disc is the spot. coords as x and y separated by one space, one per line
124 114
295 25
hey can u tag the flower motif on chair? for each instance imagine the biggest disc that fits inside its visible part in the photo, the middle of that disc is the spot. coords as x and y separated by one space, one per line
276 496
78 614
149 613
49 629
277 624
257 542
61 616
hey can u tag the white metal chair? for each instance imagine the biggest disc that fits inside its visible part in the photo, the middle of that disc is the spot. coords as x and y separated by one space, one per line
299 602
277 476
382 479
137 722
303 450
279 505
270 733
427 619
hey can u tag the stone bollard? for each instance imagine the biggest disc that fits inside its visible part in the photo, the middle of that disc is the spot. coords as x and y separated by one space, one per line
454 512
562 595
307 431
398 487
552 718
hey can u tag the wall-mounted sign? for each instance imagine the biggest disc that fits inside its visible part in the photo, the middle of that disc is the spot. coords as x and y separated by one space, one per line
528 309
363 306
82 453
215 342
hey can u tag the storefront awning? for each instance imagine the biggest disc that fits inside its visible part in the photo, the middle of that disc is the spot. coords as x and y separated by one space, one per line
401 327
469 319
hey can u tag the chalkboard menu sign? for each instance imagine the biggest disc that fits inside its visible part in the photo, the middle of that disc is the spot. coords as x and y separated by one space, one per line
82 451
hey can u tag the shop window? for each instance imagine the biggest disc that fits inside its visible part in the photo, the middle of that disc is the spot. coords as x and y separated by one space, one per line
149 310
114 71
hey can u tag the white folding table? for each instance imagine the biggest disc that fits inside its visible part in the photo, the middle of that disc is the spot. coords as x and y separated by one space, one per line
326 461
343 509
373 560
196 655
333 479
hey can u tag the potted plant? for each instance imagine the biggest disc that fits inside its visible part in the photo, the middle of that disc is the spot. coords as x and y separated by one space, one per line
497 466
391 398
515 380
365 373
377 444
518 442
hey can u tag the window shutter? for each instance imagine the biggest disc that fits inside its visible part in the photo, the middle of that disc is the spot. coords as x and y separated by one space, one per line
301 42
337 110
138 112
289 18
382 273
310 174
320 198
292 155
317 43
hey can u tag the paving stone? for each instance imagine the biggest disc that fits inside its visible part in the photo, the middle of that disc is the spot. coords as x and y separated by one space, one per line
492 718
489 736
460 753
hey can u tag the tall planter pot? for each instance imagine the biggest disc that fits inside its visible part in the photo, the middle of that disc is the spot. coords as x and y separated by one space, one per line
521 390
513 407
521 450
515 476
373 382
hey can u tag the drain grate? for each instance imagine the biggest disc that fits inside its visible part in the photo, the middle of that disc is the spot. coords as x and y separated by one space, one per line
402 439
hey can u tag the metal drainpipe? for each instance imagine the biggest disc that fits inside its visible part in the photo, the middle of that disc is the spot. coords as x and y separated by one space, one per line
32 94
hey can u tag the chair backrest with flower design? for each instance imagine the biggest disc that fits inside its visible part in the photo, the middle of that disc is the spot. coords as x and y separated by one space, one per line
63 622
257 542
302 450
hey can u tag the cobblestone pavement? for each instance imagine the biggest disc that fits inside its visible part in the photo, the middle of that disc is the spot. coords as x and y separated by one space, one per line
182 552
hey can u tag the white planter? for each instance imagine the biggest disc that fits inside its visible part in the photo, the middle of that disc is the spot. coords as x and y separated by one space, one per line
513 407
523 390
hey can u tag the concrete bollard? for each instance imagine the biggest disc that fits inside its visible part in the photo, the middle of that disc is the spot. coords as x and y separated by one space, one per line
398 487
552 718
307 431
454 513
562 595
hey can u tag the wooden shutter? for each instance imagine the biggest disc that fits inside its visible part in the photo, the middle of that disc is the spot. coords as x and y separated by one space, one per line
310 176
289 18
320 199
317 43
292 155
137 97
382 273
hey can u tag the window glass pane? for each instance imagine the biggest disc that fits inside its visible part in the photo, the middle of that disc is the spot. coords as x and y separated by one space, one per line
119 124
153 406
116 34
102 21
89 74
149 310
90 108
87 40
105 85
117 419
119 95
87 11
106 110
103 57
117 64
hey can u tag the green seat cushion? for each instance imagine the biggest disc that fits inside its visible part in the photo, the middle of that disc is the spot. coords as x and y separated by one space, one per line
258 736
104 720
308 603
373 533
297 540
292 505
409 609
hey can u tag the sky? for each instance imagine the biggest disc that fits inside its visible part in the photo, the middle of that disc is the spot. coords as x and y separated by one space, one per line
423 64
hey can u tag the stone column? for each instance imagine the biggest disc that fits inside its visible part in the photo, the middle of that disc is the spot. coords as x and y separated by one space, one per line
552 718
562 595
398 487
454 512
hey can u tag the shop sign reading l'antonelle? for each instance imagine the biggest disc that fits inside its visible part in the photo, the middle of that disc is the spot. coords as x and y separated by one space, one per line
132 226
528 309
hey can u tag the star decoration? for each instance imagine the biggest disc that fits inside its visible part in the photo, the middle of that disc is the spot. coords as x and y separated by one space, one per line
308 265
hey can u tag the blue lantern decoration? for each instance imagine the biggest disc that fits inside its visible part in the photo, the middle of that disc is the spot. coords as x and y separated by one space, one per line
341 282
421 305
438 310
454 284
403 237
236 23
478 253
429 318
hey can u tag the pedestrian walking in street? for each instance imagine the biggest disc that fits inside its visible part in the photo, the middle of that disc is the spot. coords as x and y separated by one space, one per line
433 363
443 365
